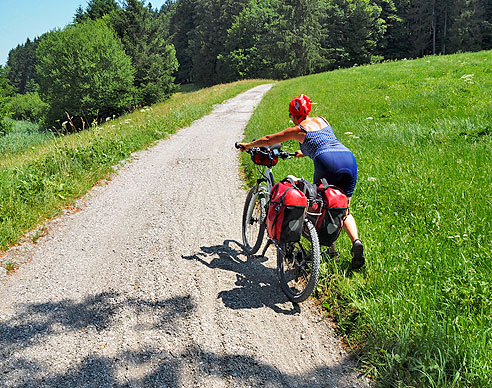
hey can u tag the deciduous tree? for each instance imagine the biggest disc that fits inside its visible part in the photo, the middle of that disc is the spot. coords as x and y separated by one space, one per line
84 71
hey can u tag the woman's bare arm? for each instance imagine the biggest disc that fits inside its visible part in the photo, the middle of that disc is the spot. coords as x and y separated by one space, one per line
291 133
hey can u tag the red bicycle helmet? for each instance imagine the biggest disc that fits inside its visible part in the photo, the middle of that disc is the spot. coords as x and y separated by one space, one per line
300 106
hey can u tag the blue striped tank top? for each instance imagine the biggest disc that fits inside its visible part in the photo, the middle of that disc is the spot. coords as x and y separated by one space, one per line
321 141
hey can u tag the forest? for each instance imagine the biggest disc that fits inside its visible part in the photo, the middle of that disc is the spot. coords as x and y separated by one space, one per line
116 56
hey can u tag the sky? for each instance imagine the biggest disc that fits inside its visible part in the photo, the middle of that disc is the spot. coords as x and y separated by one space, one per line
22 19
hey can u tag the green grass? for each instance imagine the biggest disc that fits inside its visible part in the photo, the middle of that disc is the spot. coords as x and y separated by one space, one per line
39 176
420 312
24 135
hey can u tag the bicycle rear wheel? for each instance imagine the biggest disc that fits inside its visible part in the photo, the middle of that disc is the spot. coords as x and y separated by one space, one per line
254 218
298 265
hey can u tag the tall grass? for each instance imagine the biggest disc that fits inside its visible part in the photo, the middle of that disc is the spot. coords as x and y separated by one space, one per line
36 181
420 312
24 135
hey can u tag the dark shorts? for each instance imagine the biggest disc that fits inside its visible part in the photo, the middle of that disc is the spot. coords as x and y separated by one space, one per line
339 168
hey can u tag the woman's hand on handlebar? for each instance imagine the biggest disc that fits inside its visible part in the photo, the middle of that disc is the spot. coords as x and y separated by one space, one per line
299 154
242 146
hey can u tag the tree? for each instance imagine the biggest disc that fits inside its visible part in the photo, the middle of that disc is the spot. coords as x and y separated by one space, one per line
181 27
465 32
95 9
245 47
152 55
5 92
353 32
84 71
212 19
295 46
487 25
395 39
22 66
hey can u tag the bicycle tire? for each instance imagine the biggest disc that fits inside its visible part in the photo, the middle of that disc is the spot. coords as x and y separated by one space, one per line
298 265
254 220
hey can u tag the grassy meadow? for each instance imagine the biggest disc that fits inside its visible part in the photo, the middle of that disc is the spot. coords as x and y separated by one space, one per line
419 314
41 173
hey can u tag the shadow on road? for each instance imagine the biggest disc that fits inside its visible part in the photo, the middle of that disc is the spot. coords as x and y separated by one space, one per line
34 322
41 326
168 369
257 284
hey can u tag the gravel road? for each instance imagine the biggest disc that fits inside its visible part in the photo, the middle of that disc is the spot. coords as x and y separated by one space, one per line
145 284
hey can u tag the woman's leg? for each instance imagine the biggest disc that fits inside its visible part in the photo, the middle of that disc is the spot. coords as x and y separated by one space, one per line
350 226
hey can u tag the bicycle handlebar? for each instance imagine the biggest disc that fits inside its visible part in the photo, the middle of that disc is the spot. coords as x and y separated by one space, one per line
281 153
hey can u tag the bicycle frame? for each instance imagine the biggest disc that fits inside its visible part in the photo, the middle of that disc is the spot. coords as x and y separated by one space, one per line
267 177
297 262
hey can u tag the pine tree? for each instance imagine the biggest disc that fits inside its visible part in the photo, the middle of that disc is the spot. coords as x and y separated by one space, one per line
468 21
153 57
5 92
95 9
487 25
22 66
352 30
181 27
246 48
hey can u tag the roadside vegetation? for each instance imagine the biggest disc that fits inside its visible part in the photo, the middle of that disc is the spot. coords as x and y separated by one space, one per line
419 314
41 173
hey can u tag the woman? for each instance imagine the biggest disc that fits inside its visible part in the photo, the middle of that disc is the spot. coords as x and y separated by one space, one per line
332 160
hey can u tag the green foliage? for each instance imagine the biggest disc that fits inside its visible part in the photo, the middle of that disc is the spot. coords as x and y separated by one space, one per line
246 51
181 26
275 38
153 57
28 107
294 40
5 124
5 91
84 72
225 40
21 65
420 312
96 9
211 20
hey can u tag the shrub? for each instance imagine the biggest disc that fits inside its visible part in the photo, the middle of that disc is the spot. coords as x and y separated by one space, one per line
28 107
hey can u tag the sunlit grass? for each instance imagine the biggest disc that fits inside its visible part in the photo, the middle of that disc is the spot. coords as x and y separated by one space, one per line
24 135
421 309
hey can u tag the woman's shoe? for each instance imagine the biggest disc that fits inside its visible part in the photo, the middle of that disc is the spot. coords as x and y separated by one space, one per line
357 251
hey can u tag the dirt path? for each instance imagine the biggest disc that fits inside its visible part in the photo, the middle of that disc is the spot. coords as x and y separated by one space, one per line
146 285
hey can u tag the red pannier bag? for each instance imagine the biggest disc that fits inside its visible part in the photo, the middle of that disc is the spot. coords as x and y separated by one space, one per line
333 213
286 212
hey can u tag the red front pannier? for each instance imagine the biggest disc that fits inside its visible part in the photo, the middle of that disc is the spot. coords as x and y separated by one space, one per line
286 213
265 156
333 213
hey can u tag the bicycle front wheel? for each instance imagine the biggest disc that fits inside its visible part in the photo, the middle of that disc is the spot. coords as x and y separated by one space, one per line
254 220
298 265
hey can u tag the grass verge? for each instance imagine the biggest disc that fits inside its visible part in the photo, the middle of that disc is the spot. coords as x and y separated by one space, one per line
40 177
420 312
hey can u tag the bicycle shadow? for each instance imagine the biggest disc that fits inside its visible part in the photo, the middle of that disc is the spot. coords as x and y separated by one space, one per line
257 284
